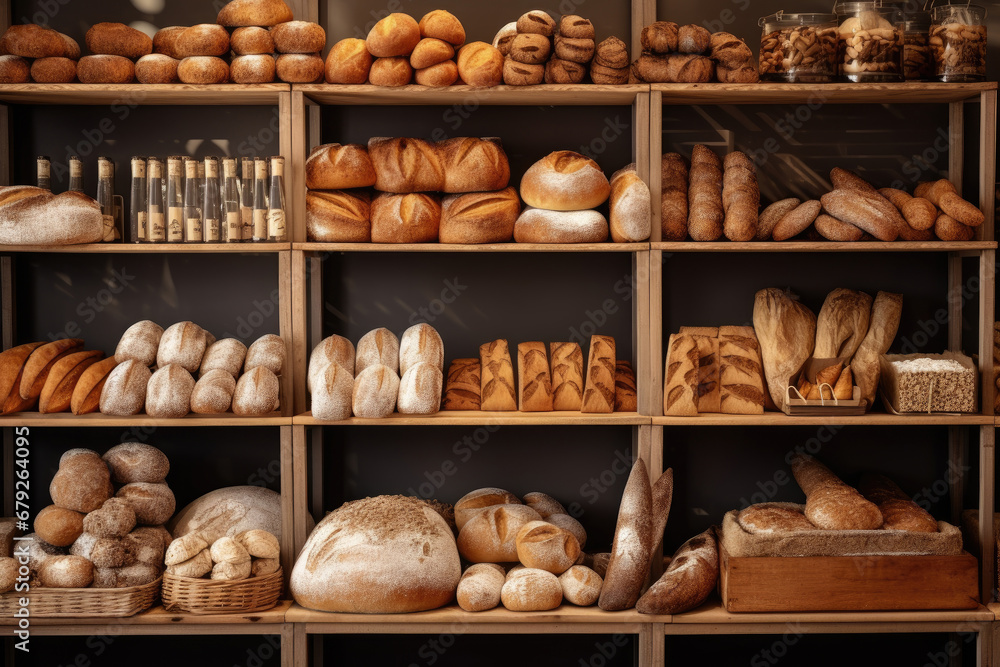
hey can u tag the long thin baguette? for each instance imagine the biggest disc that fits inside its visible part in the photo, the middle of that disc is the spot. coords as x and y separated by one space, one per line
632 545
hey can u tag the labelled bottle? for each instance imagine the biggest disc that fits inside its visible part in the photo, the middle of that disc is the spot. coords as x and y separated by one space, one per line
154 202
193 232
106 196
246 199
138 230
75 174
259 199
210 209
232 227
276 229
175 199
43 169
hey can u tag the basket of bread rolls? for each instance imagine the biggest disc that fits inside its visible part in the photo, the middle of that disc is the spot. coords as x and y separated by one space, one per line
238 573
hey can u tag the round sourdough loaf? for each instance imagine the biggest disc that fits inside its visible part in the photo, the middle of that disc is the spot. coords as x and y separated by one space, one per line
253 69
165 40
531 590
299 67
227 354
213 393
477 501
332 393
251 41
298 37
59 526
230 511
257 393
565 181
378 346
491 535
421 343
114 519
140 342
124 391
537 225
254 13
53 70
480 586
348 62
581 585
153 504
376 389
267 351
168 393
156 68
66 572
105 69
204 39
479 217
331 350
387 554
118 39
136 462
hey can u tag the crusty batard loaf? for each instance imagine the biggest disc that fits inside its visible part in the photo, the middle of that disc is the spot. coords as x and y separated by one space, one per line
298 37
429 52
257 393
845 179
480 65
531 589
545 546
534 380
168 393
567 376
421 342
706 213
626 394
213 392
406 165
630 206
378 346
478 500
39 363
420 389
688 581
868 210
331 350
918 212
480 586
797 220
247 41
740 197
57 392
707 340
632 545
14 69
741 372
680 383
773 518
769 217
338 216
376 390
124 391
786 330
599 390
497 377
395 35
332 391
462 386
405 218
565 181
227 354
473 165
883 324
943 194
833 229
674 68
830 503
157 68
118 39
842 323
254 13
479 217
87 392
490 536
336 166
105 69
33 216
674 197
539 225
898 510
348 62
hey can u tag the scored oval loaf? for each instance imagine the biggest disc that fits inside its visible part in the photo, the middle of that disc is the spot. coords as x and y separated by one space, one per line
689 579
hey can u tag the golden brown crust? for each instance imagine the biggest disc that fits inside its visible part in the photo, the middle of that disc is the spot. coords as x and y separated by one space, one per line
405 218
118 39
165 40
430 51
534 379
830 503
497 377
203 70
338 216
395 35
205 39
254 13
33 41
479 217
298 37
87 392
348 62
248 41
442 24
740 197
706 214
674 197
899 512
599 390
299 67
105 69
53 70
567 375
612 53
520 74
626 393
156 68
530 49
562 71
688 581
462 385
339 166
480 65
660 37
390 72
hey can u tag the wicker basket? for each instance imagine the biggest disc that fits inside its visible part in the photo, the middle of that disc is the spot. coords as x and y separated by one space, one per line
207 596
75 602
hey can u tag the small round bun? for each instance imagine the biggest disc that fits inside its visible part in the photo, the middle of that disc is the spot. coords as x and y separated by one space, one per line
581 585
40 551
568 523
254 12
538 22
115 518
261 567
475 502
547 547
140 341
253 69
331 350
105 69
429 52
480 65
437 76
348 62
390 72
298 37
531 590
395 35
156 68
251 41
203 70
184 549
228 550
576 27
443 25
491 536
543 503
136 462
153 504
66 572
58 526
378 346
376 389
503 38
14 69
480 586
259 543
300 67
565 181
165 40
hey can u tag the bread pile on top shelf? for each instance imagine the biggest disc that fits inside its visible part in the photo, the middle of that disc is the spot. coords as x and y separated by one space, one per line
674 53
37 53
536 50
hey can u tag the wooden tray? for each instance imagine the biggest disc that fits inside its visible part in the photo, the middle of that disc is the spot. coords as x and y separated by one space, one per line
848 583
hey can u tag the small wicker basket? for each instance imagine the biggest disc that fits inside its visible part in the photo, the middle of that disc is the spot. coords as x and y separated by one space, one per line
207 596
75 602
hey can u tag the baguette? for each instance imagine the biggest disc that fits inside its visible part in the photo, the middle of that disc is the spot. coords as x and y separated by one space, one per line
567 376
599 391
632 545
534 379
688 581
497 380
740 197
898 510
883 324
706 214
830 503
674 197
680 385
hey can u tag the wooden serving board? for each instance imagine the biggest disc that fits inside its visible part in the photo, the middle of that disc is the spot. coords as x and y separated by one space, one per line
848 583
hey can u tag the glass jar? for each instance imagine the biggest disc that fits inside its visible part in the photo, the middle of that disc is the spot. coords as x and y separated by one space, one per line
958 42
869 42
918 63
798 47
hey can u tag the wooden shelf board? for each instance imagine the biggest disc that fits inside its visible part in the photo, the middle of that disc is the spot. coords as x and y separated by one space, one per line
457 247
820 93
781 419
825 246
545 94
96 419
157 621
562 620
480 418
151 248
994 607
142 94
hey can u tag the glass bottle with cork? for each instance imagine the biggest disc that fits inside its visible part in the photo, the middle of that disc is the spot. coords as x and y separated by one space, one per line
276 228
175 199
106 196
193 232
43 171
211 208
259 199
138 230
232 226
154 202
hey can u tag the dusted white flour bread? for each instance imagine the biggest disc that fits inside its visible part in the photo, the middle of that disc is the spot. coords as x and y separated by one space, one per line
226 354
140 342
421 342
168 392
480 586
136 462
82 482
632 545
213 392
544 504
331 350
34 216
124 392
688 581
153 504
228 550
267 351
531 589
257 393
581 585
332 393
259 543
565 181
568 523
420 390
376 389
548 547
66 572
631 208
182 343
230 511
378 346
387 554
184 548
197 566
538 225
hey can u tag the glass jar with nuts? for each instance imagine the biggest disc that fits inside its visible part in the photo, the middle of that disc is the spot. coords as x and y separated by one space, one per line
798 47
918 64
869 42
958 42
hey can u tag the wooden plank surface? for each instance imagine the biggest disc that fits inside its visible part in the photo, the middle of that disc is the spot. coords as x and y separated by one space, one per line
987 498
987 315
821 93
142 94
956 142
151 248
300 330
477 417
781 419
296 195
95 419
544 94
461 247
825 246
159 621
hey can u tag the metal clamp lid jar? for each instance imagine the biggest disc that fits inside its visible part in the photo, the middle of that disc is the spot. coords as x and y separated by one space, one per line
870 42
798 47
958 42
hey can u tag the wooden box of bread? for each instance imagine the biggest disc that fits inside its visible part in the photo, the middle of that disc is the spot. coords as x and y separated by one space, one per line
824 387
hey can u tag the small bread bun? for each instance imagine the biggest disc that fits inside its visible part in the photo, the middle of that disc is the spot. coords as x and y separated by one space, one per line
203 70
376 389
137 574
110 552
480 65
259 543
490 536
519 74
267 351
118 39
503 38
253 69
298 37
576 27
261 567
543 503
66 572
147 545
184 548
204 39
227 354
153 504
378 346
58 526
429 51
530 49
332 393
251 41
421 343
531 590
115 518
231 571
82 483
390 72
156 68
348 62
331 350
197 566
480 586
265 13
165 40
475 502
538 22
105 69
257 393
581 585
168 393
53 70
213 393
547 547
136 462
568 523
14 69
300 67
182 343
395 35
228 550
442 24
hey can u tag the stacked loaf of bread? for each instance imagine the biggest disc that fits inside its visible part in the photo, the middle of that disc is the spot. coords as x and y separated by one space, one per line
383 375
674 53
92 535
250 553
37 53
537 49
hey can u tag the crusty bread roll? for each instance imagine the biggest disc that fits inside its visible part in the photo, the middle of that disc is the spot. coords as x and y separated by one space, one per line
148 544
114 519
33 216
420 389
14 69
796 221
156 68
421 343
118 39
182 343
440 75
257 393
203 70
571 525
63 375
376 390
53 70
348 62
39 364
227 355
631 208
105 69
830 503
475 502
443 25
196 567
299 67
522 74
530 48
632 545
772 213
259 543
833 229
338 216
479 217
480 65
204 39
581 585
228 550
544 504
531 590
261 567
773 517
405 218
124 391
168 392
405 165
537 225
254 13
473 165
574 49
250 41
153 504
253 69
87 392
430 51
503 38
165 40
565 181
332 391
377 347
33 41
59 526
66 572
387 554
688 581
213 392
331 350
547 547
336 166
608 76
490 536
538 22
869 211
534 379
480 586
298 37
136 462
267 351
498 391
394 35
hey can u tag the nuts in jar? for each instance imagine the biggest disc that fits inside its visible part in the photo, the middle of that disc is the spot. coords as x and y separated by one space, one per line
870 43
918 64
958 43
799 47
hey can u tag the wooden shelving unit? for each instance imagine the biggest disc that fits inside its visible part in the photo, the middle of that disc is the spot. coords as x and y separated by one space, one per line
152 248
459 247
825 246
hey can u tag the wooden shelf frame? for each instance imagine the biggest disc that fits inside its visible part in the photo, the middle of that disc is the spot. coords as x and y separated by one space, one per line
168 94
152 248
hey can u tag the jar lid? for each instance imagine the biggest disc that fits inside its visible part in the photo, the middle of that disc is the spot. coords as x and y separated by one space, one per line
797 18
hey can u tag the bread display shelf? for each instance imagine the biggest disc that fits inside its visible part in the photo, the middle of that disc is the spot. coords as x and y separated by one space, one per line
95 419
480 418
826 246
826 93
484 247
152 248
146 622
142 94
781 419
545 94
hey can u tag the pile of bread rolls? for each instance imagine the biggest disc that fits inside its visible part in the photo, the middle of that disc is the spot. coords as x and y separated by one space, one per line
251 553
367 383
37 53
93 536
180 351
488 383
691 54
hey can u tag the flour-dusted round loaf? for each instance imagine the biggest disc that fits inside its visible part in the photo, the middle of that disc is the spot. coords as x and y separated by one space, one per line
300 67
266 13
257 393
156 68
395 35
253 69
153 504
203 70
53 70
378 346
475 502
138 574
118 39
204 39
110 552
331 350
491 535
298 37
259 543
230 511
480 586
182 343
184 548
538 225
66 572
581 585
115 518
376 389
58 526
227 354
543 503
165 41
565 181
348 62
568 523
105 69
420 389
387 554
251 41
136 462
213 393
267 351
197 566
545 546
228 550
531 590
14 69
82 483
421 343
168 393
332 393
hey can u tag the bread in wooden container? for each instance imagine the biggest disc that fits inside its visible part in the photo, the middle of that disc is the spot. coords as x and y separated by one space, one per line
140 342
404 165
387 554
213 392
537 225
405 218
830 503
247 41
332 391
156 68
53 70
740 197
420 389
632 545
377 347
203 70
227 354
631 209
65 372
33 216
689 579
14 69
842 323
87 392
33 41
498 391
480 65
136 462
440 75
567 376
114 519
376 389
168 393
530 48
124 391
660 37
82 483
429 52
338 216
480 586
253 69
254 13
473 165
786 331
599 390
298 37
741 372
182 343
204 39
257 393
462 385
395 35
268 351
545 546
490 536
348 62
705 195
475 502
898 510
299 67
883 324
534 379
331 350
66 572
531 589
118 39
626 394
479 217
58 526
